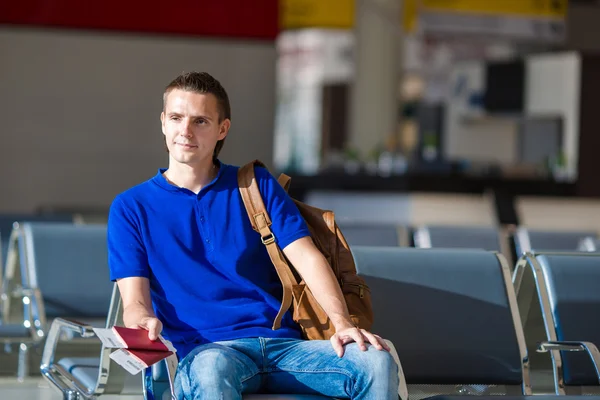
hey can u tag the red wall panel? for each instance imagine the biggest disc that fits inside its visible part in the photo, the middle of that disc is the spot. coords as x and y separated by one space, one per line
256 19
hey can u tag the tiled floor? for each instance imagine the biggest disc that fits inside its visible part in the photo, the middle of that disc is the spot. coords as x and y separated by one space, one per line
37 389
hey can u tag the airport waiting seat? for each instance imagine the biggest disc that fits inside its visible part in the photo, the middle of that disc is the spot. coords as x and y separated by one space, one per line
363 234
457 237
8 220
566 287
452 316
87 377
527 240
375 208
404 209
61 271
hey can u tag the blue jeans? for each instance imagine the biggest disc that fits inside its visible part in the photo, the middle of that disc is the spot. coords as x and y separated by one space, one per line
225 370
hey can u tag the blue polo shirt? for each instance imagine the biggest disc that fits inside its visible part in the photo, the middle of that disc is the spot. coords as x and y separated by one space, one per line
211 278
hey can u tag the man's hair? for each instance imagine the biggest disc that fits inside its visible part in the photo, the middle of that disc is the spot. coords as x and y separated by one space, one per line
202 82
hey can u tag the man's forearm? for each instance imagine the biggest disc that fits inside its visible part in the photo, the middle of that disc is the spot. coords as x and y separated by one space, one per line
324 286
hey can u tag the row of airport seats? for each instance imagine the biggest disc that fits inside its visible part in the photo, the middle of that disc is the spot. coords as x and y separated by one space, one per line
455 316
47 214
512 242
417 209
48 265
461 221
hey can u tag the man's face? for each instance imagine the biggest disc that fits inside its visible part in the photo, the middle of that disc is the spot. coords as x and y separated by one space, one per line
190 123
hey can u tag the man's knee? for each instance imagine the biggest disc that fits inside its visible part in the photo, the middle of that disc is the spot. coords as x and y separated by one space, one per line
379 363
215 363
376 373
213 369
374 370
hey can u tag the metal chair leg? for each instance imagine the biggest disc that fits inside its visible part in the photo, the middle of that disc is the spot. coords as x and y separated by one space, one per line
23 366
70 395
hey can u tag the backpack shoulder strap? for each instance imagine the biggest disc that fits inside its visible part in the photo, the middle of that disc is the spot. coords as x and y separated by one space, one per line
284 181
253 201
261 222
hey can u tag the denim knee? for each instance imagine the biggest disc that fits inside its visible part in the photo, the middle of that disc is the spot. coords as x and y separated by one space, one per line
212 373
380 364
376 372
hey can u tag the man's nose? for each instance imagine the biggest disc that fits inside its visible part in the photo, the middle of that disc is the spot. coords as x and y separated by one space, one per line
186 129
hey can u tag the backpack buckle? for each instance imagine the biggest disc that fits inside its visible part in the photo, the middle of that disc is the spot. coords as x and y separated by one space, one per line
270 238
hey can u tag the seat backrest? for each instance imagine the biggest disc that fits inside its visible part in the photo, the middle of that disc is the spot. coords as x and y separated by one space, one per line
457 237
527 240
6 225
69 264
450 313
363 234
572 285
361 207
405 209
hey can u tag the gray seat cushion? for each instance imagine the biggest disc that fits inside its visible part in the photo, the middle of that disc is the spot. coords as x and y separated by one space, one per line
84 369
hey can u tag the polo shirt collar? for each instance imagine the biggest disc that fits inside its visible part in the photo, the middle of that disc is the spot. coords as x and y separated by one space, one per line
160 180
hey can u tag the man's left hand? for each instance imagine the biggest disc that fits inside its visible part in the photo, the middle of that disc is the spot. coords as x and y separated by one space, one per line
361 336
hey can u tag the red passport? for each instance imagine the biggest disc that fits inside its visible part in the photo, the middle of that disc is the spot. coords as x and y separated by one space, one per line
135 350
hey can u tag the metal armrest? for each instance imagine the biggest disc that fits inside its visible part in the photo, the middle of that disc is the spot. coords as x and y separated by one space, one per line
48 369
588 347
58 326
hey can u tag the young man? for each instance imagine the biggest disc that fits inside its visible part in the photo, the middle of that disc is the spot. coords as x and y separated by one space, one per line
189 265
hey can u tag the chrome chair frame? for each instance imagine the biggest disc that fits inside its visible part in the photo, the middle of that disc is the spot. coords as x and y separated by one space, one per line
519 332
21 304
552 345
112 379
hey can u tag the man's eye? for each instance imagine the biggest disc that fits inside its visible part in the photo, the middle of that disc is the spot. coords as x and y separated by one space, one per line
174 118
200 121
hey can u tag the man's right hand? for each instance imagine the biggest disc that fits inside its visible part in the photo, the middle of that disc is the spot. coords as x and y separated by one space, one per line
151 324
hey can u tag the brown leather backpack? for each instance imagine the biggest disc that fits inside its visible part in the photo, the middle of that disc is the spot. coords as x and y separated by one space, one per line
329 240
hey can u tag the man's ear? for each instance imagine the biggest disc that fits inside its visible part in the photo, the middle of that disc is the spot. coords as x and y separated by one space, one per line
162 122
224 129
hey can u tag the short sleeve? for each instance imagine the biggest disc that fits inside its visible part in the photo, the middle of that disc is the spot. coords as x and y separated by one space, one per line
126 251
287 222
